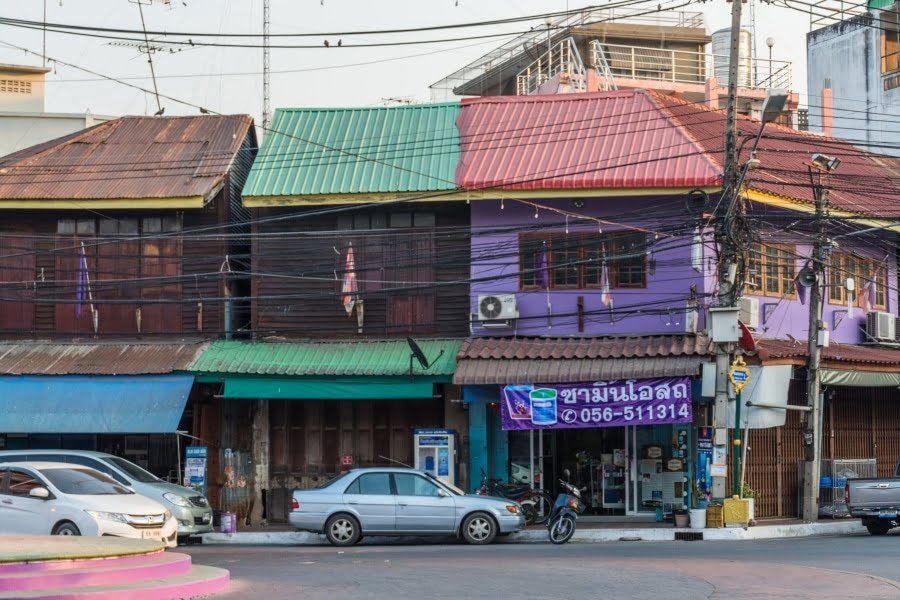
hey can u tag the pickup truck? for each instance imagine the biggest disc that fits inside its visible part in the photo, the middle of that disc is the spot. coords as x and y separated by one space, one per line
876 501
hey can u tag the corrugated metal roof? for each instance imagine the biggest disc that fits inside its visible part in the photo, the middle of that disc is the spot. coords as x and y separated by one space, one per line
484 372
348 357
566 360
864 183
30 358
771 349
130 157
570 141
311 151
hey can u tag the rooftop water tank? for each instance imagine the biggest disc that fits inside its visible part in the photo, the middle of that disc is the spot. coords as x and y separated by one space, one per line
721 49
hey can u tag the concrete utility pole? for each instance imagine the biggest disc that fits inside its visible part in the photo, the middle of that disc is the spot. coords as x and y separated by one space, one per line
812 430
728 251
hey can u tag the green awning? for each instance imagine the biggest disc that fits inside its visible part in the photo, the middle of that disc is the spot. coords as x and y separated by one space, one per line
330 388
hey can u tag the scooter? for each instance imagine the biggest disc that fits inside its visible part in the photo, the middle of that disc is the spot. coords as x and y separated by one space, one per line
568 505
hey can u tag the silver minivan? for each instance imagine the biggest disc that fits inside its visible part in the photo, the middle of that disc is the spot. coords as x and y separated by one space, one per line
191 509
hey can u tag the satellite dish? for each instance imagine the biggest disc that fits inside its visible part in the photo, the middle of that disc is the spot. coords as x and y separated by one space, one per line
806 277
416 352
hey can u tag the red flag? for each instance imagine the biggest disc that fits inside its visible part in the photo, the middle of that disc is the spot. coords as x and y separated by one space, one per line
349 289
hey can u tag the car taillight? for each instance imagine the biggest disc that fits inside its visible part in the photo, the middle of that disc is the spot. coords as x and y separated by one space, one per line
295 505
846 493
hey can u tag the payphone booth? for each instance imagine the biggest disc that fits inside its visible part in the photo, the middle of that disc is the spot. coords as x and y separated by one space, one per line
435 453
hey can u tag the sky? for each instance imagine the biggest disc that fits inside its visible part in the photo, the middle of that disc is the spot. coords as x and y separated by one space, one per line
229 80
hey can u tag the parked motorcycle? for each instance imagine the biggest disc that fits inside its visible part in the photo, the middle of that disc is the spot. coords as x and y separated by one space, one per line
568 505
536 504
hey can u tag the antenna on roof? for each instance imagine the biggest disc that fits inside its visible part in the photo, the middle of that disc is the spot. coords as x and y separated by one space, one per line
150 49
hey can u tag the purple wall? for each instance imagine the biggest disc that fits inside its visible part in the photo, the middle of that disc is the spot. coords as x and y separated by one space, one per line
495 267
495 259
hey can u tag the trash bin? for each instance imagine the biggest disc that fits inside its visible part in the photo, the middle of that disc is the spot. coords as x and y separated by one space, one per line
714 517
698 518
229 523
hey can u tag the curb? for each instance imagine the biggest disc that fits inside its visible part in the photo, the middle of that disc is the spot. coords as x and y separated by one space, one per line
539 536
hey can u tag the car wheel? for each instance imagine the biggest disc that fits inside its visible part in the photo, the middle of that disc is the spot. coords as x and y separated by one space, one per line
878 527
479 528
66 528
342 530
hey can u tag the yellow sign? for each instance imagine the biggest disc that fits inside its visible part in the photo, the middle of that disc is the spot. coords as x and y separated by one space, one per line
738 374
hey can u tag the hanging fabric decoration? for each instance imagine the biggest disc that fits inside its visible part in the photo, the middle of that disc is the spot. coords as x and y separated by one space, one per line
543 280
605 293
865 298
349 290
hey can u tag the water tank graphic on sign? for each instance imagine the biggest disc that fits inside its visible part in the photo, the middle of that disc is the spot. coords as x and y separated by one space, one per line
721 49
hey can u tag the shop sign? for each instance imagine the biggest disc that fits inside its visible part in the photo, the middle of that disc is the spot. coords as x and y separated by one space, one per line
598 404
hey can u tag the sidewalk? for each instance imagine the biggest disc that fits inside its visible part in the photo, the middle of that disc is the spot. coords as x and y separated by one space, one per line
588 531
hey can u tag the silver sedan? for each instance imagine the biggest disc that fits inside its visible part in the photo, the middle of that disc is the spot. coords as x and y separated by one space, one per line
395 501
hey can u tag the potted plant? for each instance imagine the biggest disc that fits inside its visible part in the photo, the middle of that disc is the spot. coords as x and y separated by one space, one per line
748 494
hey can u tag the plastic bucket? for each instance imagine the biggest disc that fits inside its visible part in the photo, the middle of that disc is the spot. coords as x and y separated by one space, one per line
229 524
698 518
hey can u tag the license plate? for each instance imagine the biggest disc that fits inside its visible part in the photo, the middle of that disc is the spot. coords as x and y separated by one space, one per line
152 534
887 514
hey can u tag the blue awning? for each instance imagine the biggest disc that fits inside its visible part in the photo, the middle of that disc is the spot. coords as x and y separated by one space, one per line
93 404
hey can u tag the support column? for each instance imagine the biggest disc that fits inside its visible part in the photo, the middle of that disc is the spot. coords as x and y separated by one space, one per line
260 455
478 450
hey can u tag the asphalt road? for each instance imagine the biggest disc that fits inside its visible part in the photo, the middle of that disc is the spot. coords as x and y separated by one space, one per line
859 567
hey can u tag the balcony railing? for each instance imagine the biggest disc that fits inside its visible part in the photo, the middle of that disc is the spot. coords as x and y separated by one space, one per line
561 58
557 29
678 66
827 12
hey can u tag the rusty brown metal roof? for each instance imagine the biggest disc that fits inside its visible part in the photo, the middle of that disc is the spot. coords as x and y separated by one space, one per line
771 349
567 360
128 158
47 358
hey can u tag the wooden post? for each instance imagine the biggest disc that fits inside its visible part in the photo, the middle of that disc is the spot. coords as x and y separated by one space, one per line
260 454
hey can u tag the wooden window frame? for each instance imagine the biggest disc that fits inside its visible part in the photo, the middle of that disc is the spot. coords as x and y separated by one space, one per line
890 43
588 248
783 275
861 271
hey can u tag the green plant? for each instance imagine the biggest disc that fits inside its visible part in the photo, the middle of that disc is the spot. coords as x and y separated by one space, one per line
747 491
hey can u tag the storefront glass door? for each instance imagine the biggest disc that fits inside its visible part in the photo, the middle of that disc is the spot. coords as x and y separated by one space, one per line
642 472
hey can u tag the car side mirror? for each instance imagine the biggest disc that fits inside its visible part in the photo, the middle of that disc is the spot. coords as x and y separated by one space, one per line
39 492
442 493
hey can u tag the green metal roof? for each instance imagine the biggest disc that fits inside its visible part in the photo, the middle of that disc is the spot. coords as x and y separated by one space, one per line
340 358
879 4
313 151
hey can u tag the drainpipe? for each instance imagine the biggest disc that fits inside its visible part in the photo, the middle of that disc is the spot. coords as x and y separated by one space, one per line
827 110
225 269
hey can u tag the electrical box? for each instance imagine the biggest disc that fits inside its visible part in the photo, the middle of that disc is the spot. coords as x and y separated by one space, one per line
435 453
723 324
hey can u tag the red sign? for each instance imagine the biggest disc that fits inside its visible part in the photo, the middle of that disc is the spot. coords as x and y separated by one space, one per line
347 459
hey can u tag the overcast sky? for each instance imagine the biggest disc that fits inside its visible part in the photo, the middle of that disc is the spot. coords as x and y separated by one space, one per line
229 80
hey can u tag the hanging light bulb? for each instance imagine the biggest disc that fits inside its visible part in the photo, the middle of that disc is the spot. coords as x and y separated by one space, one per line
536 215
501 203
567 224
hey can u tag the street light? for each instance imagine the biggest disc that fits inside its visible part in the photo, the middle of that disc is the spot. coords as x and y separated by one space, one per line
770 41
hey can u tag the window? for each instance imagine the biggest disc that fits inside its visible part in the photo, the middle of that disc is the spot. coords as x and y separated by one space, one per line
890 43
414 485
378 484
21 483
863 271
771 270
575 261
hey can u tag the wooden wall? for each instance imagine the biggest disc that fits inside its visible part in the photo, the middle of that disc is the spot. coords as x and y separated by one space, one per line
857 423
299 263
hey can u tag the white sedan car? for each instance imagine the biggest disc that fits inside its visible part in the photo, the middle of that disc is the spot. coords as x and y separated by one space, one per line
44 498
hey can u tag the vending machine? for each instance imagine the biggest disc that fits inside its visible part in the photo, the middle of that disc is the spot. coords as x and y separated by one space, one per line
435 453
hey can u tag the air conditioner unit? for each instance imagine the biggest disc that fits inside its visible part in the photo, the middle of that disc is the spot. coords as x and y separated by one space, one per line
749 312
880 326
897 330
496 310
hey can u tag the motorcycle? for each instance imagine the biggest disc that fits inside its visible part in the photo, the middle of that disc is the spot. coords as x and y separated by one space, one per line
568 505
535 503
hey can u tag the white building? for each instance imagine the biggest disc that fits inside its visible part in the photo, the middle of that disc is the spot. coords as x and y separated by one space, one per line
853 76
23 120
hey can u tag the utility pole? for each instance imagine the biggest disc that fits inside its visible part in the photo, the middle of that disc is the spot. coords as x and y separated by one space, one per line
728 251
812 431
266 112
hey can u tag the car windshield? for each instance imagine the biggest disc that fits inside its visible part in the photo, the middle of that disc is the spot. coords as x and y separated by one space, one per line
333 480
84 482
448 486
131 469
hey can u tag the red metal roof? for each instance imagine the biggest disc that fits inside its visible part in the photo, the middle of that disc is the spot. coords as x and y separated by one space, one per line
588 347
864 183
130 157
771 349
571 141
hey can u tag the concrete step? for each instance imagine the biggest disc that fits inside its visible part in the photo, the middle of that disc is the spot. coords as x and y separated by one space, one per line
199 581
74 574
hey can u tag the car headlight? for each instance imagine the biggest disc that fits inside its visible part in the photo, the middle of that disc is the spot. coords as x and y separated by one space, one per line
176 499
512 508
108 516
